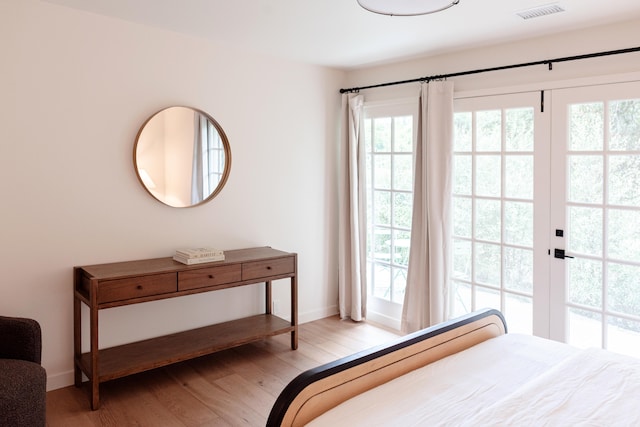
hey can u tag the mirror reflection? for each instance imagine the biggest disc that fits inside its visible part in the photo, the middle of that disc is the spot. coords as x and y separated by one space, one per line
182 156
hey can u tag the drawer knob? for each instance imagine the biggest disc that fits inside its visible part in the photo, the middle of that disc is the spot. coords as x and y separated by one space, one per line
139 287
268 267
211 276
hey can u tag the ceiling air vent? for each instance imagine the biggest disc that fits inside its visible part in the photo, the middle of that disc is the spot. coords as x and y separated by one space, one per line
537 12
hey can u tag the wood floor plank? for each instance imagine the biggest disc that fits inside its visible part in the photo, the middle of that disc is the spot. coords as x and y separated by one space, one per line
130 398
180 402
221 402
68 407
234 387
254 365
247 393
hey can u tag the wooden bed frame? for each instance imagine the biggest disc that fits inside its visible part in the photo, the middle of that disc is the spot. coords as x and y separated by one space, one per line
318 390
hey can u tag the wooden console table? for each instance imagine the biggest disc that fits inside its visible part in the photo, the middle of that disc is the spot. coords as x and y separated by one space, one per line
112 285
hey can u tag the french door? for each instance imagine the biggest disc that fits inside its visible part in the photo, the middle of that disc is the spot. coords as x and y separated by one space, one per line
389 132
546 210
595 195
500 209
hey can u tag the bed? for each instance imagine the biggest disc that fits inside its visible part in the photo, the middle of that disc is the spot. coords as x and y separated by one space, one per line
466 372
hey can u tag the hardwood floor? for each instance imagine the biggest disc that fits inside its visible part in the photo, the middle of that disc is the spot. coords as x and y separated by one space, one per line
235 387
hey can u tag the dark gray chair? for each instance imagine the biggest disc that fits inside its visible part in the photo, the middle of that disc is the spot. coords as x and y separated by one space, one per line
23 381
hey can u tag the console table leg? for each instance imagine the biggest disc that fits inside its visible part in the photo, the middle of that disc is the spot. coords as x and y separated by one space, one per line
93 337
95 395
294 312
77 337
268 297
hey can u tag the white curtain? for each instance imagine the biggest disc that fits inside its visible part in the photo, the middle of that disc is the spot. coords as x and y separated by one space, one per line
429 258
352 295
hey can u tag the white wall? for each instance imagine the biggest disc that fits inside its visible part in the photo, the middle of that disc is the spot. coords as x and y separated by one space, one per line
74 89
598 39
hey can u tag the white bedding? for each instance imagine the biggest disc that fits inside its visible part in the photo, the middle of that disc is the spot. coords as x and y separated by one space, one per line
592 388
509 380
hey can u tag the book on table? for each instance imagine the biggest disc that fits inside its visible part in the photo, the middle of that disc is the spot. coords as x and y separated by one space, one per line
198 255
204 252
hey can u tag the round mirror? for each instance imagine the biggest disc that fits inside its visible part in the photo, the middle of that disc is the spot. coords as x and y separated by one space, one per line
182 156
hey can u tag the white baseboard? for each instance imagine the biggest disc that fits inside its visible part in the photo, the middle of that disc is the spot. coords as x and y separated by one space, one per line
61 380
383 320
310 316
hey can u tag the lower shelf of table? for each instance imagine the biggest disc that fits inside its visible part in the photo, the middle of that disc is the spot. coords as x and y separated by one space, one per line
128 359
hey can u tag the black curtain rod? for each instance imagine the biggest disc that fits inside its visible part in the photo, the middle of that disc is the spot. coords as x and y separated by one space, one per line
548 62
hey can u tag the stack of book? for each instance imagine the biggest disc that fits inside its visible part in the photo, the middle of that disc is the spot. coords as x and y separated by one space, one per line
198 255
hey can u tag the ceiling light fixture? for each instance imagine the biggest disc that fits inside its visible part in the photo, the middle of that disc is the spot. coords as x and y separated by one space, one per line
406 7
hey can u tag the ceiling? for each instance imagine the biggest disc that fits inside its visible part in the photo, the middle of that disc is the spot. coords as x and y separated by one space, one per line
339 33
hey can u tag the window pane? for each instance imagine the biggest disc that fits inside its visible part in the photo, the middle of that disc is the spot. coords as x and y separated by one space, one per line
518 223
462 259
462 216
586 126
519 129
487 263
462 132
518 311
624 180
623 336
585 282
403 137
382 134
585 328
399 284
382 203
462 175
489 130
382 244
518 269
585 179
624 234
369 173
624 125
488 220
461 298
402 210
623 288
381 281
382 171
368 141
488 176
403 172
401 241
487 298
519 177
586 230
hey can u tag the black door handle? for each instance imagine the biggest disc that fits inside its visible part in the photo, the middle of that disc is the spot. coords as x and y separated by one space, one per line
559 253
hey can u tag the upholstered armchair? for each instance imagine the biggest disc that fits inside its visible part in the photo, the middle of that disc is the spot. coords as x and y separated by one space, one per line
23 381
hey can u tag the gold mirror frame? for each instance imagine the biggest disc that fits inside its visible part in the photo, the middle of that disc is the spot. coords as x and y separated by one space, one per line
169 146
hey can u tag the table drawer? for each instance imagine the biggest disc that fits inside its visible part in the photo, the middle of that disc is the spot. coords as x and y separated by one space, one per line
211 276
135 287
274 267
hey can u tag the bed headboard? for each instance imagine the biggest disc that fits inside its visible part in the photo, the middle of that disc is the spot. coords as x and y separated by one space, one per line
317 390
